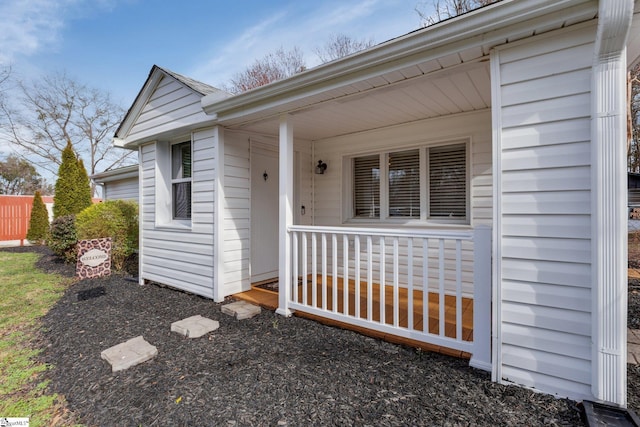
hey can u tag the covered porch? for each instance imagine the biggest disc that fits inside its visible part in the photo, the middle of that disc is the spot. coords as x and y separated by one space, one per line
402 286
406 119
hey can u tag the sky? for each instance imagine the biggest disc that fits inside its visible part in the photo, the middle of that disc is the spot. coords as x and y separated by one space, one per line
111 45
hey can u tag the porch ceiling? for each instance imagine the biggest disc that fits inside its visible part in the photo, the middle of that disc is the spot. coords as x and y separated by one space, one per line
418 92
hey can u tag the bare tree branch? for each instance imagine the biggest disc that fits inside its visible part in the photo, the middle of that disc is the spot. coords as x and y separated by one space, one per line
58 109
633 120
339 46
445 9
272 67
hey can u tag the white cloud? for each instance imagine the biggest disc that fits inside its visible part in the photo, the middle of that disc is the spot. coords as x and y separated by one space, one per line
29 26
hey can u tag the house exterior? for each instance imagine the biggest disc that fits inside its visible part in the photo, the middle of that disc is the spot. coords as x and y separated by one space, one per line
118 184
480 159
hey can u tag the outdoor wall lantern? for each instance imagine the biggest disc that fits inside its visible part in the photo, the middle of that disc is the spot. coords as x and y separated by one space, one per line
321 167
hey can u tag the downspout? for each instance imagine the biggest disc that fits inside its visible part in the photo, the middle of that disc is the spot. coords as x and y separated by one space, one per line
609 222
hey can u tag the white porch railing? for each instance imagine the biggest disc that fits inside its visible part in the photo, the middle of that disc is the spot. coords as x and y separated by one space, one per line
409 283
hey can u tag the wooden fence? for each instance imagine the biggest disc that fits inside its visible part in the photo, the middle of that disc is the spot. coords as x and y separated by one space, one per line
15 213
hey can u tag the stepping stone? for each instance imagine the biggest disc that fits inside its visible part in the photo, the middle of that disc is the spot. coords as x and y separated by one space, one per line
129 353
194 326
241 310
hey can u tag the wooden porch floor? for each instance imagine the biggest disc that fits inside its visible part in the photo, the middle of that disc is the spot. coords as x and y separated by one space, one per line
269 300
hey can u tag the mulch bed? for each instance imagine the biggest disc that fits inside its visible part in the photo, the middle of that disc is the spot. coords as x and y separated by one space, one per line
268 370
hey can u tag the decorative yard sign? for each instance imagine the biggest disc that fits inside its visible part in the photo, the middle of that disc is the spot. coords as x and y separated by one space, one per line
94 258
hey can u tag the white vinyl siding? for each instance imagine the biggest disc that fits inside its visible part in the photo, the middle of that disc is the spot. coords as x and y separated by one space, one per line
171 105
181 257
237 210
330 191
544 236
125 189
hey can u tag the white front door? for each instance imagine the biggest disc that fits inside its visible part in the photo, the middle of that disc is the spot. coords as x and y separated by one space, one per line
264 213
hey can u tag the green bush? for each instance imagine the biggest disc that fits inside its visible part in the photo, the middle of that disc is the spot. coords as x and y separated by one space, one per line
117 219
63 237
39 222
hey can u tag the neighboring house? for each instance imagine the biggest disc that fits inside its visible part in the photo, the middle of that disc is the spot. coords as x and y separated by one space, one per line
483 157
118 184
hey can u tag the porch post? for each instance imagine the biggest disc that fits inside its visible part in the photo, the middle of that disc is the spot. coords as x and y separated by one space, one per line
481 358
286 214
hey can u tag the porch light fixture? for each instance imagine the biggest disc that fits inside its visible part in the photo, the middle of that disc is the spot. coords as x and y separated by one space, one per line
321 167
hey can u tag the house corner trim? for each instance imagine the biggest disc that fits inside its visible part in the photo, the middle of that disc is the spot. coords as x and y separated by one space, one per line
609 223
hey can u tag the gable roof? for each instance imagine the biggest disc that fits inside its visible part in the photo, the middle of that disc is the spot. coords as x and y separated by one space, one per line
151 83
197 86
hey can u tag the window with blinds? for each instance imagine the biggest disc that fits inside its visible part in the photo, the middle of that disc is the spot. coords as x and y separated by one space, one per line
366 183
181 180
392 186
448 181
404 184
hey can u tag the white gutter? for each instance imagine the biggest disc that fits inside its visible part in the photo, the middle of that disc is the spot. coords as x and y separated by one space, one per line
484 27
609 203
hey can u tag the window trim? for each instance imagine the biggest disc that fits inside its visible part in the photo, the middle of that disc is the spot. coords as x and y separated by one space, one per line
164 207
424 219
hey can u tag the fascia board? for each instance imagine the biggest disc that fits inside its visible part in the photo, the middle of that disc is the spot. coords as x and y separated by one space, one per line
484 26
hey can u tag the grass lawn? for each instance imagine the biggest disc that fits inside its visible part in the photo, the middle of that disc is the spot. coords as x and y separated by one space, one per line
27 294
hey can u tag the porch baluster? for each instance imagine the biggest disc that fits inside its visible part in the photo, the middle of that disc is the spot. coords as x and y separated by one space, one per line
369 278
383 273
396 284
425 286
304 269
458 289
334 272
441 286
410 283
324 270
294 281
356 250
314 269
345 274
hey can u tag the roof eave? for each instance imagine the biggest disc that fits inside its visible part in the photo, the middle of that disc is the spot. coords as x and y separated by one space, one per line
116 174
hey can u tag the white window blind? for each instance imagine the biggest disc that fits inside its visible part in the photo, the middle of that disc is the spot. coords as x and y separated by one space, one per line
181 180
366 183
448 181
404 184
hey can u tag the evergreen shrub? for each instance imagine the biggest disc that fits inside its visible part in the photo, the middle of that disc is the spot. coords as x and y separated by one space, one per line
117 219
39 221
63 237
73 190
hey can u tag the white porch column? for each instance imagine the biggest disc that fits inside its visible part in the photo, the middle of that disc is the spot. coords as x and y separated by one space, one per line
482 291
609 203
218 221
286 214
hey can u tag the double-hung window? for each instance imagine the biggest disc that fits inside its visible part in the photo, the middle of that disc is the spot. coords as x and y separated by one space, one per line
426 183
181 180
